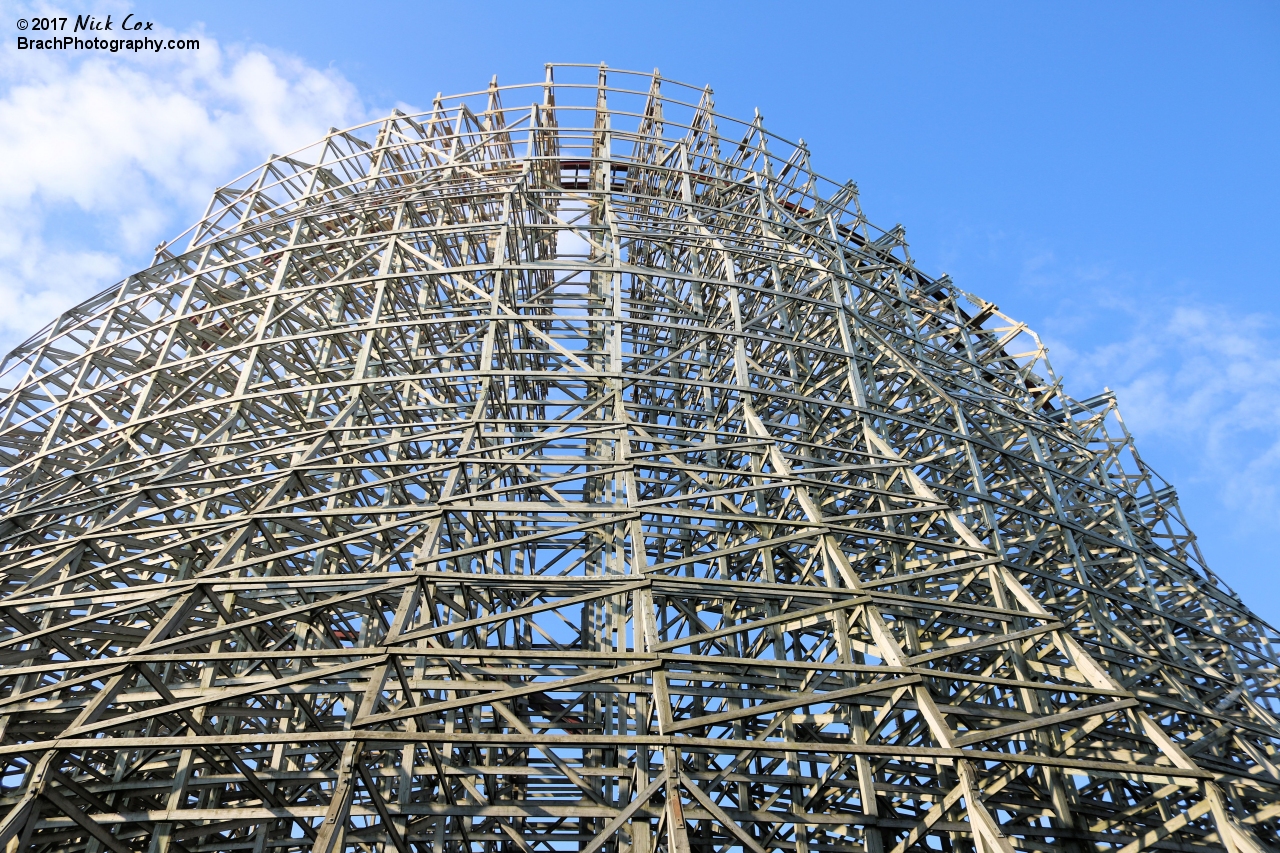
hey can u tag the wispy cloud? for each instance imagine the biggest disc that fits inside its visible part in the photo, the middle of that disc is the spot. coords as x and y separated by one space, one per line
1202 384
103 155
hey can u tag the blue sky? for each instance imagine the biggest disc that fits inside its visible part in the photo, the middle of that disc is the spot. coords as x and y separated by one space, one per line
1106 172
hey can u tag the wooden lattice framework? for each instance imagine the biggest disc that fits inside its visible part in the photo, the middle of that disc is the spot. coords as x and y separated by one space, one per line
570 468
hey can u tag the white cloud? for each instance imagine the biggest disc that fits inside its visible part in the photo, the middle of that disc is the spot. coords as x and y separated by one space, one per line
1200 382
103 155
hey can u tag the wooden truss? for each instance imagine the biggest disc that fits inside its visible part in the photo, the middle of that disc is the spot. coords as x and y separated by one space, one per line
570 468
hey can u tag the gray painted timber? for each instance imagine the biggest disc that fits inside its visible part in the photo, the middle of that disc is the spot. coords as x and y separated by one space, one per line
571 468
